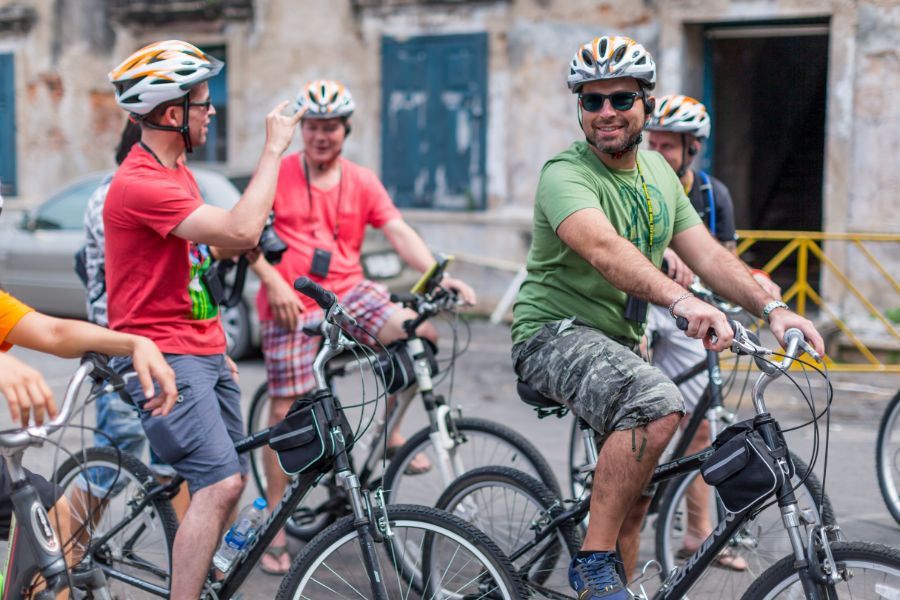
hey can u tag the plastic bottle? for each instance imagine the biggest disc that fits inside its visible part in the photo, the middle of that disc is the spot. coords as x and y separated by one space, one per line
248 522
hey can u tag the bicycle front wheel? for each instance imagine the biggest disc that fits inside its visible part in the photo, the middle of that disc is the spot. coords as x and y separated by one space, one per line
887 457
481 443
104 488
868 571
429 554
511 507
756 546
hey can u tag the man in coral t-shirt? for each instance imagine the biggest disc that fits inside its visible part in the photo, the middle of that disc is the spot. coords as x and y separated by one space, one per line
158 238
323 205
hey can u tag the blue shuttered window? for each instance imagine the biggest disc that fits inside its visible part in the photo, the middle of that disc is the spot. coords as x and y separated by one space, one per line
434 121
7 126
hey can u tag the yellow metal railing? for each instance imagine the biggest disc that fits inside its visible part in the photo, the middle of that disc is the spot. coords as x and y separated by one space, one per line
807 245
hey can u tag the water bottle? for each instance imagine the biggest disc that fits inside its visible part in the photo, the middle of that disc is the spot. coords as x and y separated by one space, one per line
244 528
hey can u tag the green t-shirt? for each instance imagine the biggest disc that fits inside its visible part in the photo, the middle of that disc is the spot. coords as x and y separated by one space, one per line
560 283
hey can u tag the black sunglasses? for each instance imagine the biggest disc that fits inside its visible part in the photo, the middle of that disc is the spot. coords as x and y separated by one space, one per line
205 104
618 100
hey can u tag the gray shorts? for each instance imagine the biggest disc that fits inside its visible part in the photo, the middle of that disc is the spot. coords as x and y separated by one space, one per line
197 437
601 380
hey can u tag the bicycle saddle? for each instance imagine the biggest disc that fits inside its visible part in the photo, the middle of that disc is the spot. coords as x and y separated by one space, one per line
542 404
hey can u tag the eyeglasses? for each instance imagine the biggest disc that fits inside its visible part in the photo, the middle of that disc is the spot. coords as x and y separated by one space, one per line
619 101
204 105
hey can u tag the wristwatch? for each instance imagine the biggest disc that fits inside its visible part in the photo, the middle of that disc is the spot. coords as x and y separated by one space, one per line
768 308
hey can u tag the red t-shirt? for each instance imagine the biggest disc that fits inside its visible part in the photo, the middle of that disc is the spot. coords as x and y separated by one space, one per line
306 223
153 278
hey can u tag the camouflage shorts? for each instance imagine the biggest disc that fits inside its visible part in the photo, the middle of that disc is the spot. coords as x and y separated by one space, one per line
601 380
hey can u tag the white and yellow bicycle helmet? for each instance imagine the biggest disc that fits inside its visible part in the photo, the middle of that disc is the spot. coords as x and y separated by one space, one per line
159 73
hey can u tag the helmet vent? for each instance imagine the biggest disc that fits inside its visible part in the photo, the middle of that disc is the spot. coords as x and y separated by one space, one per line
618 54
642 60
587 58
602 46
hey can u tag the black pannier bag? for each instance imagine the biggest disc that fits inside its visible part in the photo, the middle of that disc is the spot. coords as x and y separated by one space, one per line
742 468
303 440
395 363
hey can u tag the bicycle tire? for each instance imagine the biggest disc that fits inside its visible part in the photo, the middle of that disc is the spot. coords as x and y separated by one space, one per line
330 563
257 420
869 564
760 542
887 459
506 504
143 548
425 488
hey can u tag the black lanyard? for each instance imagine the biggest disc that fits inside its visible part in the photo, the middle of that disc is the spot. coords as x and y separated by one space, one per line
337 211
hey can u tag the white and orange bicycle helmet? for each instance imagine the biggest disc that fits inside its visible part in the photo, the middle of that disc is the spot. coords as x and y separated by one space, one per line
680 114
610 57
159 73
324 99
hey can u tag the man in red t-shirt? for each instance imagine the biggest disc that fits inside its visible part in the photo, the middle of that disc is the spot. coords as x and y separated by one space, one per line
158 238
323 205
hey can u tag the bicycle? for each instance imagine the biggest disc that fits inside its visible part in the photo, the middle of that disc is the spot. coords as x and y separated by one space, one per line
539 532
403 549
453 443
35 549
887 457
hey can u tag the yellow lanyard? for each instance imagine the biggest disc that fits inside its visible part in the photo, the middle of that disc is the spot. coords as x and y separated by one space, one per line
649 204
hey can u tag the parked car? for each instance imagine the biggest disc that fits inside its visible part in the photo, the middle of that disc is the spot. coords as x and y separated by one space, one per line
37 257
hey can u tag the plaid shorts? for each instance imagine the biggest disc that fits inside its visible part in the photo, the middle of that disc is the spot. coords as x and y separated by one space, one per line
290 354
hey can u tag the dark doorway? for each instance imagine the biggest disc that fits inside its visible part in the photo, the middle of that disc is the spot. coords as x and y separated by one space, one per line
767 87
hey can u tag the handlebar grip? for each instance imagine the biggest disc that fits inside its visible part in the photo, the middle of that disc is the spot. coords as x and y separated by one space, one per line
406 298
311 289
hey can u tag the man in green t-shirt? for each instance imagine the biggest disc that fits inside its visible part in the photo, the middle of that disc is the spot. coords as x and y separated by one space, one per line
604 213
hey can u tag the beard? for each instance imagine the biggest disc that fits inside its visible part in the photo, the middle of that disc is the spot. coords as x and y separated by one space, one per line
631 137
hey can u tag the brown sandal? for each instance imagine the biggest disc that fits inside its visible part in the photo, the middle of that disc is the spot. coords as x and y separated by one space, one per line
727 559
275 552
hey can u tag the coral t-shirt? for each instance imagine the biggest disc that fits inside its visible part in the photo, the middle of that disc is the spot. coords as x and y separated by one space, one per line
153 279
333 220
11 312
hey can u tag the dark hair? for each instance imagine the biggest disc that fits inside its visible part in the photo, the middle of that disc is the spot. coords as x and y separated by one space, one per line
131 135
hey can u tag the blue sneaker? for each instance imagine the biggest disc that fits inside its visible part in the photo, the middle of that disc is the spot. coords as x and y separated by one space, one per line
595 577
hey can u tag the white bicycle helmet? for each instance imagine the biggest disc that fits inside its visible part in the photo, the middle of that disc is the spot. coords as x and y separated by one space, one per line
159 73
324 99
680 114
609 57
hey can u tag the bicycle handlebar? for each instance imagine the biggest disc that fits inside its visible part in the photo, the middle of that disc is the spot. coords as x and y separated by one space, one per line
316 292
36 434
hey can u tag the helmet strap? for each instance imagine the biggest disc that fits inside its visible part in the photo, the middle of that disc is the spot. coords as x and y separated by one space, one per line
183 129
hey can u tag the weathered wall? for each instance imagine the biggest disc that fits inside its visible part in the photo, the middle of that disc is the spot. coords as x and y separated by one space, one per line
68 122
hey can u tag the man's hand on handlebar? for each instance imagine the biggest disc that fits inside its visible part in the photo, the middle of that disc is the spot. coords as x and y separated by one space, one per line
149 364
704 320
463 289
26 391
782 319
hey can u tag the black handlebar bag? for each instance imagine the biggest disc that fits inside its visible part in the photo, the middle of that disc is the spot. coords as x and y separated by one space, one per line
743 469
304 441
397 367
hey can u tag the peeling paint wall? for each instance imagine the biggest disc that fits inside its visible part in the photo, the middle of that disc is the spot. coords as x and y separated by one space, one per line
68 122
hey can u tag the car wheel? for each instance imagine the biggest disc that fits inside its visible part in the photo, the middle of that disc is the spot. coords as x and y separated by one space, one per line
236 322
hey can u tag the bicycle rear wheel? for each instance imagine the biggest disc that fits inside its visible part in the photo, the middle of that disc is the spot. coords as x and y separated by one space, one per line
887 457
869 571
142 548
482 443
757 545
458 561
510 507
